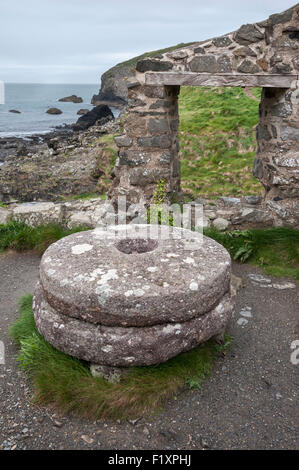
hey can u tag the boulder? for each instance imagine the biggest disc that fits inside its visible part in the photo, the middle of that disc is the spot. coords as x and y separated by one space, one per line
54 111
101 114
220 224
82 111
72 99
37 213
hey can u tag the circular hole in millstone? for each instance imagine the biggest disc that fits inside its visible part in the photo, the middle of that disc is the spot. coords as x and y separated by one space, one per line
132 246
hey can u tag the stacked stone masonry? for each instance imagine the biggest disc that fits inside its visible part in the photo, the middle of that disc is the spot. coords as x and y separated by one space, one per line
148 149
223 213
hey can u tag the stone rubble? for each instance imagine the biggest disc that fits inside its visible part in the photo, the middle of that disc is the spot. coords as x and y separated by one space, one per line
223 213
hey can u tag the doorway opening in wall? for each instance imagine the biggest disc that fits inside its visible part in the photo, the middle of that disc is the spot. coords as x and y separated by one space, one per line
217 136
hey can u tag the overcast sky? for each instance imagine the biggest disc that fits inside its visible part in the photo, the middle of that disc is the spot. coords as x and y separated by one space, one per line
75 41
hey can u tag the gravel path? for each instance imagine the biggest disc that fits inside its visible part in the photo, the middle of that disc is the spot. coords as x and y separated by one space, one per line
249 402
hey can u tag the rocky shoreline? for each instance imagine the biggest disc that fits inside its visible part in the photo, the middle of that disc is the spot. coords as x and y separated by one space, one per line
62 163
26 146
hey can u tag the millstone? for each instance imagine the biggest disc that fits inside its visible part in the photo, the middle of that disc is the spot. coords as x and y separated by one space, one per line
122 297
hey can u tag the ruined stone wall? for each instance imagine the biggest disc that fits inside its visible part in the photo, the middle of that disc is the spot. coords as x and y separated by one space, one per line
148 150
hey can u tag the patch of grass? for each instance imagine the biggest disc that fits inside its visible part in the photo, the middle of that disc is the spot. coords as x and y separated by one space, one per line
217 141
66 384
276 250
20 237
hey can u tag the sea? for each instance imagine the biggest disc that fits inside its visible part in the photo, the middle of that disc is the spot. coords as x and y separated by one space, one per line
33 100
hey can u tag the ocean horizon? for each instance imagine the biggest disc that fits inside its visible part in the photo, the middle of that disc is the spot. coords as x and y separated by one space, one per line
33 100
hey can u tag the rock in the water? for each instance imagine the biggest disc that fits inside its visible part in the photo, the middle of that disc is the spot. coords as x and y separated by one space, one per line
100 114
72 99
54 111
16 111
82 111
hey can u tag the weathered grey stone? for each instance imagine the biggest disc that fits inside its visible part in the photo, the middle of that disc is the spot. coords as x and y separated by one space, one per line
160 104
220 223
176 168
158 126
37 213
244 52
134 102
247 34
174 125
252 199
178 55
123 141
290 160
88 275
126 347
247 66
289 133
274 131
281 17
263 132
163 141
145 65
230 201
222 41
224 64
205 63
282 68
79 219
199 50
132 84
4 215
133 157
165 158
226 213
143 176
155 92
258 170
256 216
135 126
281 110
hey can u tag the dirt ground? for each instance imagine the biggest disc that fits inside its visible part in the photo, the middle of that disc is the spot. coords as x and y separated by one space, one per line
249 402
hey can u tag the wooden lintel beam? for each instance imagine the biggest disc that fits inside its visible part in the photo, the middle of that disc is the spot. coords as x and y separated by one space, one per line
218 79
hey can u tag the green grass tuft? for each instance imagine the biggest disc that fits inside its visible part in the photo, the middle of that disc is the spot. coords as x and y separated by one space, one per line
276 250
66 384
20 237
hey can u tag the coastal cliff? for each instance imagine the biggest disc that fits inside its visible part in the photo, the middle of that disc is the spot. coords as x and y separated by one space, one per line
113 90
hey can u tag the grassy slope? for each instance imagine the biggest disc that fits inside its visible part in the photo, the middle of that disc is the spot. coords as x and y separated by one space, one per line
217 140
